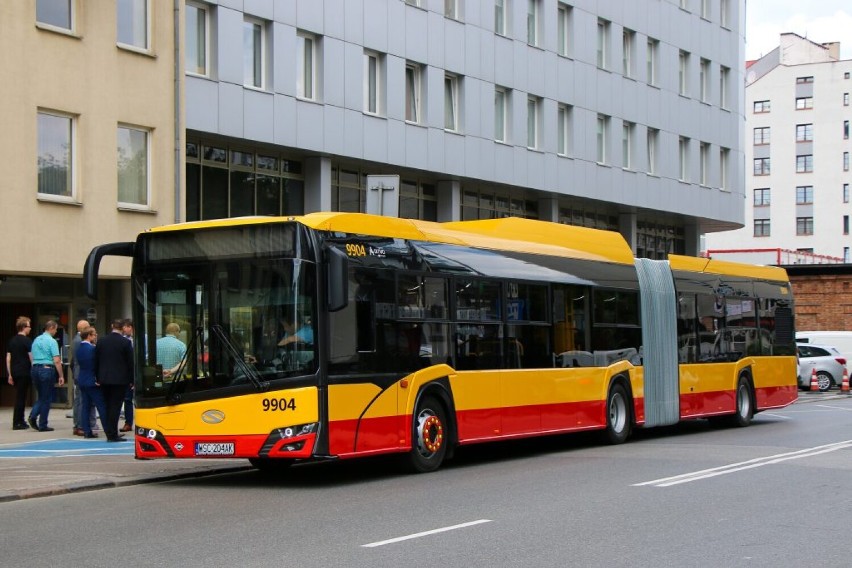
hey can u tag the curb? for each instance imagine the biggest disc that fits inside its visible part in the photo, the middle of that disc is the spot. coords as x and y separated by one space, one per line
93 485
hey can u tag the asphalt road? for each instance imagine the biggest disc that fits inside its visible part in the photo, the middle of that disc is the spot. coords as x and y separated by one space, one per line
774 494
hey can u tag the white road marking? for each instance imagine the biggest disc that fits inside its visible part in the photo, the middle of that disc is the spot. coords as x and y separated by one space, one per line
425 533
773 415
750 464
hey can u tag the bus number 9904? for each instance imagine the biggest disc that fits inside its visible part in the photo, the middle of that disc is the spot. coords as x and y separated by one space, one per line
282 404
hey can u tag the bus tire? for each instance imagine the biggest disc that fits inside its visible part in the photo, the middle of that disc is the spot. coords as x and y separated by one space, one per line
429 435
618 415
271 466
745 405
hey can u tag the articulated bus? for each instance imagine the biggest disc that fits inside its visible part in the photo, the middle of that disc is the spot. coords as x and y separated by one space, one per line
339 335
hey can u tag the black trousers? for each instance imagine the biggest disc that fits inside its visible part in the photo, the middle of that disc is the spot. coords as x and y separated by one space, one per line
113 398
22 388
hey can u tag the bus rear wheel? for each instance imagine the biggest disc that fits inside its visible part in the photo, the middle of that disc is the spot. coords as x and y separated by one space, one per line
745 409
618 415
428 435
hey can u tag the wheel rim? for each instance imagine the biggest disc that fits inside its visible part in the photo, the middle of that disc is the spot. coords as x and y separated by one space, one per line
617 412
430 433
824 381
744 401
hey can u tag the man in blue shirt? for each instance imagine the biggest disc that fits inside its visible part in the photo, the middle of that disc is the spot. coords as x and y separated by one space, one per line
170 350
47 366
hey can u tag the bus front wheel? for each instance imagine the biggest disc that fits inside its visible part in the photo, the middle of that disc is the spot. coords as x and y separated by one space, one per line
618 416
428 435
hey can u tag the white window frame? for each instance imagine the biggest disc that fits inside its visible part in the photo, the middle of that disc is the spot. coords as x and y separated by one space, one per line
683 158
69 145
601 139
724 80
451 9
704 73
651 60
724 169
628 41
306 65
451 102
652 141
533 22
724 14
413 92
563 130
533 122
602 52
257 54
147 181
374 85
704 164
683 73
627 130
133 6
563 30
71 12
199 65
705 9
501 15
502 97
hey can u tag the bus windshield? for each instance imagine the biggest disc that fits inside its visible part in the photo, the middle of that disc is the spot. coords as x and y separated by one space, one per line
213 328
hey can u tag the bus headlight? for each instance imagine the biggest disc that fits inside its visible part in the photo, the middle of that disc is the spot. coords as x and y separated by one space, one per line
297 431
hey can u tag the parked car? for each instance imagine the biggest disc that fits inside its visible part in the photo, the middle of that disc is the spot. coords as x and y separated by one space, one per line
827 361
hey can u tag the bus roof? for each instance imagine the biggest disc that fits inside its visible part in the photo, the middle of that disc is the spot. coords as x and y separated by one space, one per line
727 268
507 234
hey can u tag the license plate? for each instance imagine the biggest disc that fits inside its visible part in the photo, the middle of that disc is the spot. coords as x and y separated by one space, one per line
214 448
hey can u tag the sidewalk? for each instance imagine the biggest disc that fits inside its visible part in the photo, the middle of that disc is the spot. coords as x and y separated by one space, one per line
39 464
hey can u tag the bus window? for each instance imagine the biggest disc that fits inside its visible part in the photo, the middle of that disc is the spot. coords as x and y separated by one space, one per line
687 338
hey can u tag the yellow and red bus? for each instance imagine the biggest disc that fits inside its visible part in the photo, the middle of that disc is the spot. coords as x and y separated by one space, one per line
339 335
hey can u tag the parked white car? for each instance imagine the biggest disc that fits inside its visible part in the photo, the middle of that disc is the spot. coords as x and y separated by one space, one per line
827 361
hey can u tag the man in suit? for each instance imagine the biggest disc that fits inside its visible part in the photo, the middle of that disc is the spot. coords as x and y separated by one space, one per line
114 372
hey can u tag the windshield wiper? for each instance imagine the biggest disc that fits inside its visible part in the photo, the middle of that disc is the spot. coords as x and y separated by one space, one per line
248 370
178 377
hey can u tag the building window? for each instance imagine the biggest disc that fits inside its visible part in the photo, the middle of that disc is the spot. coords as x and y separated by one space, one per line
563 32
56 13
804 103
601 139
724 80
197 46
533 121
653 135
803 80
683 158
451 102
761 106
846 254
704 163
705 9
413 2
845 161
306 66
846 75
133 166
500 17
602 54
418 200
724 157
533 23
724 13
56 154
846 99
451 9
804 163
846 130
651 55
845 193
846 224
563 125
804 132
501 114
628 39
761 197
374 82
761 135
627 129
704 77
761 166
804 225
804 194
254 54
413 92
761 228
132 22
683 73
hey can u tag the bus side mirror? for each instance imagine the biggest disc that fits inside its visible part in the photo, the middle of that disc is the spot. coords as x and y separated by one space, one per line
93 264
338 279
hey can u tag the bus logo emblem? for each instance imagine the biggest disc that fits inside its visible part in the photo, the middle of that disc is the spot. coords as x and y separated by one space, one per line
213 417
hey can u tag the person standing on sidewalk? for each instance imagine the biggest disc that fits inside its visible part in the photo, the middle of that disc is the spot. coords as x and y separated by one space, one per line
90 390
114 371
47 369
19 361
79 430
127 331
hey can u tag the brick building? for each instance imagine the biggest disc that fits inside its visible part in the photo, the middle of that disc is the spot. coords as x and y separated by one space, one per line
823 295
